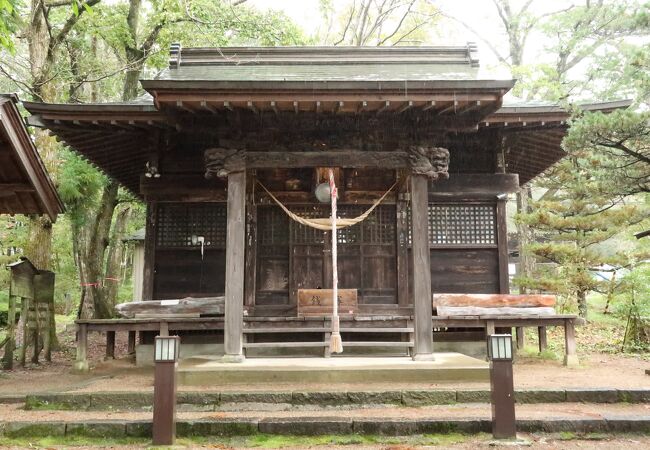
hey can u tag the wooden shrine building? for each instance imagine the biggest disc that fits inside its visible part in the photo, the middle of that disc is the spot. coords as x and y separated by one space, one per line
25 186
220 126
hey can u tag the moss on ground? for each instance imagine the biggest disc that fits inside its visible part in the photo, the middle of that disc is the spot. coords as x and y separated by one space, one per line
257 440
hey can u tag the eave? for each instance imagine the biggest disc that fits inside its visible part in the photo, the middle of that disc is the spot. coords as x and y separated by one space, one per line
25 186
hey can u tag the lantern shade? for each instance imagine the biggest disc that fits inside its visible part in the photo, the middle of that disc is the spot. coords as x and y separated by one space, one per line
500 347
166 348
323 193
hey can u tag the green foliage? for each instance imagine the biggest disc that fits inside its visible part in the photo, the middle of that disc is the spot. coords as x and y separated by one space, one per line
620 143
9 18
573 224
633 305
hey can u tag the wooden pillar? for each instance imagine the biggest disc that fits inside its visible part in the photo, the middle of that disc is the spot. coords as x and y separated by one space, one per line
149 252
401 246
10 346
24 311
110 345
502 243
81 364
521 338
131 343
251 243
571 356
235 263
422 299
541 333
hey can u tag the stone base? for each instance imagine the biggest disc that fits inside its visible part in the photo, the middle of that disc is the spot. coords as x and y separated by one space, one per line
571 361
227 359
446 367
81 366
424 357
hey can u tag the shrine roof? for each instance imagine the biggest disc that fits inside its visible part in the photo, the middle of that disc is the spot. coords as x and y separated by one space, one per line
25 186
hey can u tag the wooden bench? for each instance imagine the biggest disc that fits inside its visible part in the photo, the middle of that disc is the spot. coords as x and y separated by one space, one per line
162 325
491 311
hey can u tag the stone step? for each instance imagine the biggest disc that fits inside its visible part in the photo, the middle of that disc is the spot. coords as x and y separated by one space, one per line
274 400
313 426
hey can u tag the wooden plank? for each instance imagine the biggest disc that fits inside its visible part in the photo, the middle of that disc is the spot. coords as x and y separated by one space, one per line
172 307
481 184
345 158
494 300
235 266
284 344
149 252
421 267
502 242
378 344
452 311
318 302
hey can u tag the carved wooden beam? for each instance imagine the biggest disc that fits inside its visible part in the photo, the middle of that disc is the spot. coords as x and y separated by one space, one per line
430 161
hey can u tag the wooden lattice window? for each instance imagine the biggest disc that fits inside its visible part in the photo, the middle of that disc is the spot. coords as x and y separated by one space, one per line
177 223
302 234
462 225
273 226
379 227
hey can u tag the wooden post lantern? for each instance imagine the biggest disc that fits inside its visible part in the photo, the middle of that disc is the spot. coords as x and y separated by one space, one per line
502 386
166 352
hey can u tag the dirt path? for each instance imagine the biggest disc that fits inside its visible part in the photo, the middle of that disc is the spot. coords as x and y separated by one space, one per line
16 413
596 371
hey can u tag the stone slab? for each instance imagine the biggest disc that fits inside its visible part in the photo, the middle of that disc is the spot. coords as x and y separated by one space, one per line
540 396
58 401
97 429
306 426
388 427
592 395
256 397
473 396
121 401
423 398
31 429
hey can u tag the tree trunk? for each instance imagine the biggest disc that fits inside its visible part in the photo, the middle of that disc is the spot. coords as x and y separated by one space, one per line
526 260
91 261
115 254
582 304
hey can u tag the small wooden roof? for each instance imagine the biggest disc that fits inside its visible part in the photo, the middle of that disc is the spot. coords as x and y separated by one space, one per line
25 187
443 80
435 87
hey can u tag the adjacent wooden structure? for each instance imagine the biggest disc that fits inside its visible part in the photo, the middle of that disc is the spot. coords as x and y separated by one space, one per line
31 292
25 187
226 124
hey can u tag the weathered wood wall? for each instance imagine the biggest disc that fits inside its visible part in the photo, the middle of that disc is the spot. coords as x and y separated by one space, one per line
287 257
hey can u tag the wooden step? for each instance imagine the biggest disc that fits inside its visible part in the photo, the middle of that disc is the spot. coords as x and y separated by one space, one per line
377 330
284 344
286 330
327 330
377 344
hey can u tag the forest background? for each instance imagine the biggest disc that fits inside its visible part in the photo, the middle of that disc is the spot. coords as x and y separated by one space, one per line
577 229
